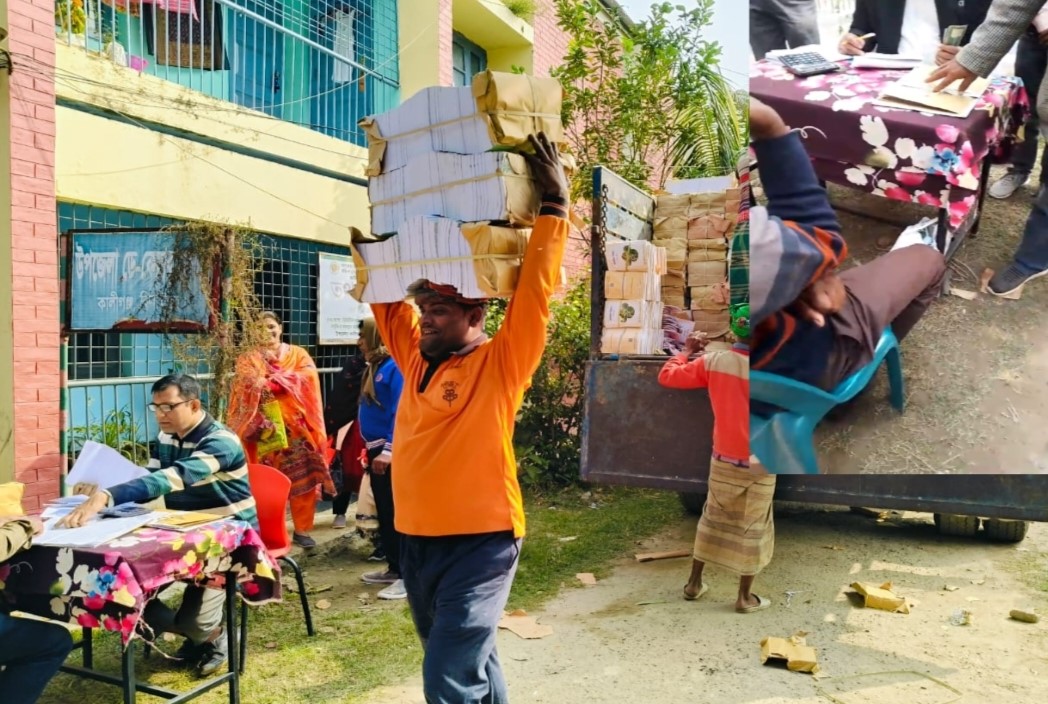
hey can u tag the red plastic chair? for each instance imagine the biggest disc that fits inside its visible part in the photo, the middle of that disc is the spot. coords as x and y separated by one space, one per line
271 490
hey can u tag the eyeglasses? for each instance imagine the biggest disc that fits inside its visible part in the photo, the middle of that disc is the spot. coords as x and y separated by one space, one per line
164 408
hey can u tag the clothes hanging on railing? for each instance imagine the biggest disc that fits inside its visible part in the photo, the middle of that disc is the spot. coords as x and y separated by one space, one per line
186 40
343 45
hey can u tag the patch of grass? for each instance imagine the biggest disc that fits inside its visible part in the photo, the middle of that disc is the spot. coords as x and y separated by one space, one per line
358 646
602 534
524 9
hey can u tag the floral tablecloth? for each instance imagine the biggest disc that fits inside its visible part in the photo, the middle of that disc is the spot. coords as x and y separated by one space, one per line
108 586
906 155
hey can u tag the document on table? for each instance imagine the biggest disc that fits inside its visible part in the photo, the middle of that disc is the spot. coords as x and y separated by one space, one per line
874 59
94 533
102 466
913 92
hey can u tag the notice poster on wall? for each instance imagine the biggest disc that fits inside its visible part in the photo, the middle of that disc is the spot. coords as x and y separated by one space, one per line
338 314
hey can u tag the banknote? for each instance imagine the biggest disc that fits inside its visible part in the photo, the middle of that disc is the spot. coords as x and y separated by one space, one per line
954 34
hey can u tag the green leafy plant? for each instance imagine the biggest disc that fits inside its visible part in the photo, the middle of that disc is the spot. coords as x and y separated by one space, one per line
524 9
641 100
117 430
548 434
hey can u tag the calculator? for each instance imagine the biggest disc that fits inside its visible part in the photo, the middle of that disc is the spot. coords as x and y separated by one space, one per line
809 63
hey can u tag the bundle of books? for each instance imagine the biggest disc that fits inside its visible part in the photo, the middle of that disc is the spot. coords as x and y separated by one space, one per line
697 229
480 260
450 201
633 306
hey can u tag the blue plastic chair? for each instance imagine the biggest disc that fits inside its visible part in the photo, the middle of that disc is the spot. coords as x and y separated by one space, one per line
784 442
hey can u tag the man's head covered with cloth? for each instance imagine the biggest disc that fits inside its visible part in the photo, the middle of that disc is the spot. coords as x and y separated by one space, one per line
448 321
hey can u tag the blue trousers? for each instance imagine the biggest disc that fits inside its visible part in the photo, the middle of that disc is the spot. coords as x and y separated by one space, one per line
30 653
1032 255
457 589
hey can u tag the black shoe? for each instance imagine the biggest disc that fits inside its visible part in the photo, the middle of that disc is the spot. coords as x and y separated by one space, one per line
213 655
1010 279
188 653
377 556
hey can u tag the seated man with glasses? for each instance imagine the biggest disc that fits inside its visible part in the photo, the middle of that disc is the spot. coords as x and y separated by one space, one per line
198 465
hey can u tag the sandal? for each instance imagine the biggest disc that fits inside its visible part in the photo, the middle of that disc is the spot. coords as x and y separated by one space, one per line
702 590
762 604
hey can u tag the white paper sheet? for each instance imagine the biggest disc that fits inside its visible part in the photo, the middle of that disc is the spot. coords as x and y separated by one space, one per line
94 533
104 466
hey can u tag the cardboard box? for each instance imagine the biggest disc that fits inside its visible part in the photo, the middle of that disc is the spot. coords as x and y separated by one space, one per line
794 651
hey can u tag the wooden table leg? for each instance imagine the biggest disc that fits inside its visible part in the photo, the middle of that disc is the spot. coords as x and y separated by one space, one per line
87 649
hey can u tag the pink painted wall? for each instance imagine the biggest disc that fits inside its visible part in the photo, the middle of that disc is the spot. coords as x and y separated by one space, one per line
34 249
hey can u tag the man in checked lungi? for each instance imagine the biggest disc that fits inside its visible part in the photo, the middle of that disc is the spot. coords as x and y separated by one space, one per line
736 531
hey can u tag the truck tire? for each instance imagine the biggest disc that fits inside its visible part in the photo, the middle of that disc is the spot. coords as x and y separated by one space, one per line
1005 531
692 502
951 524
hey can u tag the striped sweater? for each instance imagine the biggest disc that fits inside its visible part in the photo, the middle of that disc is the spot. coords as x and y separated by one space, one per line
204 471
793 242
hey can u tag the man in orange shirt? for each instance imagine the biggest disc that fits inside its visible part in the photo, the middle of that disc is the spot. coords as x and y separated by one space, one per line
458 502
736 531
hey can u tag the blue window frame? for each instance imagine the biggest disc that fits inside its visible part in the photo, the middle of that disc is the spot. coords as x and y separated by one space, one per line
467 59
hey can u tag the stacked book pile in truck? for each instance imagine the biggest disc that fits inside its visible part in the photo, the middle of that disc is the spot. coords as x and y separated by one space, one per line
450 201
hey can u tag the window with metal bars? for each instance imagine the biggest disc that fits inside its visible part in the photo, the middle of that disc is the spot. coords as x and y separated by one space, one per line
287 285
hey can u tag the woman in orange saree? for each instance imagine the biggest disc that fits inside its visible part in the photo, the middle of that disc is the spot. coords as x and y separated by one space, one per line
284 376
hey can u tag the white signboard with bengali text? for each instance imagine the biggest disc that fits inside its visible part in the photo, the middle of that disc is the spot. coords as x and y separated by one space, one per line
338 313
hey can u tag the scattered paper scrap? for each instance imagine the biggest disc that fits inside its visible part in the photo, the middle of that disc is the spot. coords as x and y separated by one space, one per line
984 281
568 539
963 293
1024 616
524 626
833 547
881 597
795 651
669 555
586 578
323 604
950 588
961 617
271 645
870 512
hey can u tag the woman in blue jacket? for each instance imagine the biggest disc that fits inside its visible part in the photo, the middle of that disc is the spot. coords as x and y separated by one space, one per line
379 396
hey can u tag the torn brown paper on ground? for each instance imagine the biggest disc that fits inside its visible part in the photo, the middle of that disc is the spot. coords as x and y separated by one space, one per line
794 651
524 626
586 578
881 597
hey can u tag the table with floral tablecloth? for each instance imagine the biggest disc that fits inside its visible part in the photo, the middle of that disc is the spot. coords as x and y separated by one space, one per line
918 157
108 586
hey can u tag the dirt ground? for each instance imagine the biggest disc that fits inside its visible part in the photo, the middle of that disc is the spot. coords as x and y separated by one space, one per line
976 371
631 638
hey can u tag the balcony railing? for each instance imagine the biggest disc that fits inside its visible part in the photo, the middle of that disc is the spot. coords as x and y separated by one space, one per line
322 64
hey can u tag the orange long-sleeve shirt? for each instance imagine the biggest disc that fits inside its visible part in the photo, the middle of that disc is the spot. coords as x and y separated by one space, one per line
454 468
727 376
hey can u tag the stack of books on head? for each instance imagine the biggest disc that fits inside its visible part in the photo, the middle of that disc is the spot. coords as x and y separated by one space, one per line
696 229
450 201
632 293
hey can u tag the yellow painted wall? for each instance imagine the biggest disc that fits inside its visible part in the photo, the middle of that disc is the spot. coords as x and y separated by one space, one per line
7 368
419 45
154 173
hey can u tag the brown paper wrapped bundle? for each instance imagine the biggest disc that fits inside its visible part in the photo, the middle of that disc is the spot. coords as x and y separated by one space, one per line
674 299
517 105
710 226
707 251
631 341
676 249
713 323
712 298
706 273
673 227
